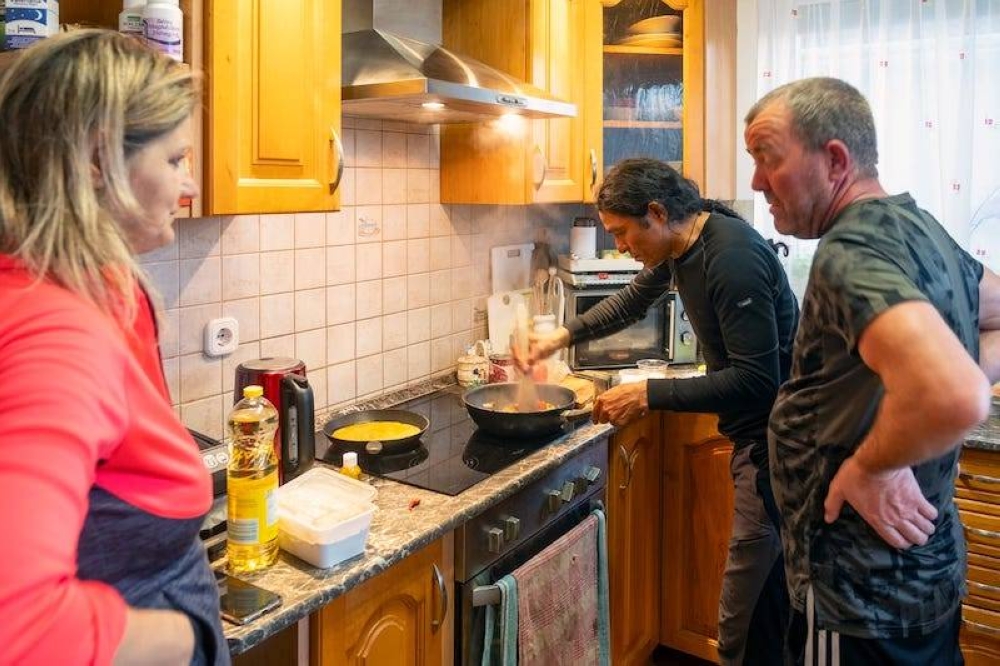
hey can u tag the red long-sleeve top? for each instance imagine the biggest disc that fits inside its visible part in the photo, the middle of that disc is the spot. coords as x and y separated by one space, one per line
83 403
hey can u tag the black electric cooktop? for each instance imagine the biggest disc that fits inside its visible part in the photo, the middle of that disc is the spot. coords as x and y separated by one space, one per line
452 456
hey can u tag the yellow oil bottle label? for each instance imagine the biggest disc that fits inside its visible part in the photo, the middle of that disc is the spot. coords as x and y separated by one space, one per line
253 509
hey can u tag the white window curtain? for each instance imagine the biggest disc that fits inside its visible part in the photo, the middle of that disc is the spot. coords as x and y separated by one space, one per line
931 71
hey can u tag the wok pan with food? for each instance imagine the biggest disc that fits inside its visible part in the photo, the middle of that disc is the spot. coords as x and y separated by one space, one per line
394 430
494 409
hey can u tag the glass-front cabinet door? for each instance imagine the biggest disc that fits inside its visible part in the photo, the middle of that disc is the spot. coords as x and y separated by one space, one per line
652 85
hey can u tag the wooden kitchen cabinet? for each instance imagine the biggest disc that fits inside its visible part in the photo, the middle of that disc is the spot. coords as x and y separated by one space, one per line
977 495
521 161
104 14
273 99
634 558
402 617
697 521
268 140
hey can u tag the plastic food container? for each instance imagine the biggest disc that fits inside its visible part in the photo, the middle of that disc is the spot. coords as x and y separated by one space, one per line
323 517
653 368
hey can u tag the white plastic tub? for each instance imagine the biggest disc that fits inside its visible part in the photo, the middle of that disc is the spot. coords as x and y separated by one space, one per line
323 517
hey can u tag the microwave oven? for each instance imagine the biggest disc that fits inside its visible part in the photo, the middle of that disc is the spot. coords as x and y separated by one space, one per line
664 333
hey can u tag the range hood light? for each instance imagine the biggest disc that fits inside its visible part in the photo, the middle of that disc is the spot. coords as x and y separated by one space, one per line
433 106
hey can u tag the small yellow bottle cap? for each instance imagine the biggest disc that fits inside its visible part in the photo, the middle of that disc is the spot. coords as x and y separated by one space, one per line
253 391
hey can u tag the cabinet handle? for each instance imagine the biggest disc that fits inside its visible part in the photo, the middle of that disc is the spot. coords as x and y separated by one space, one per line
627 466
541 167
442 595
338 149
983 587
979 478
982 628
986 534
593 169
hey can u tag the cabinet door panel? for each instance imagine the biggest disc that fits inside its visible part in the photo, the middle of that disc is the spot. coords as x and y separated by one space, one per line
274 100
634 564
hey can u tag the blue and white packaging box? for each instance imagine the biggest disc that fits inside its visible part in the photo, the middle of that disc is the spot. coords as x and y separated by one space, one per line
27 21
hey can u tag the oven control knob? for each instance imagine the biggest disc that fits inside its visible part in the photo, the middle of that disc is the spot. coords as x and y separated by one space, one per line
495 539
592 474
568 490
553 500
687 338
511 528
684 315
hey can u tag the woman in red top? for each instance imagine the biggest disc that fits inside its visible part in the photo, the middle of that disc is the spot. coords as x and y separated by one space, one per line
102 490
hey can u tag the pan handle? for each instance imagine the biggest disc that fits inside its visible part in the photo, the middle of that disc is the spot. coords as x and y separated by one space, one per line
574 415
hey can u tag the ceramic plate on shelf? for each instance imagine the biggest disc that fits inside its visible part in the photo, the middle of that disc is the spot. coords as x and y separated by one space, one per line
657 25
656 41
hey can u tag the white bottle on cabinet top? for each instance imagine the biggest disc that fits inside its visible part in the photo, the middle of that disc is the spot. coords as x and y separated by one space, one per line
130 19
163 27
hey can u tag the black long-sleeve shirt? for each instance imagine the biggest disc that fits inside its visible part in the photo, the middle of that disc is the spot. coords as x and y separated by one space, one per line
741 308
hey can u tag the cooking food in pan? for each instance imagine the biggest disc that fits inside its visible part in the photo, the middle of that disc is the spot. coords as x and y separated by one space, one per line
513 408
376 430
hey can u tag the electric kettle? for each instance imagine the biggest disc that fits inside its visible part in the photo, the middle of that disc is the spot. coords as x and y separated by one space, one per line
285 385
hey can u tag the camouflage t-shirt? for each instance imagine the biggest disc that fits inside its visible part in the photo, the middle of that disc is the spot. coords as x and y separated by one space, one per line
879 253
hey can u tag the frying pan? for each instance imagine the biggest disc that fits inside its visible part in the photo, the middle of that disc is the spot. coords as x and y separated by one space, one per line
387 445
484 404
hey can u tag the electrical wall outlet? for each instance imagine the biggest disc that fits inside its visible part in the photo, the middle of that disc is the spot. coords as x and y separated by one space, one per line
222 336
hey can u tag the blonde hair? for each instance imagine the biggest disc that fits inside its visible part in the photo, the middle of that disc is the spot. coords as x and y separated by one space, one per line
73 109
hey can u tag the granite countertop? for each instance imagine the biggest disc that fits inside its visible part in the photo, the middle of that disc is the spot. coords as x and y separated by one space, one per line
987 435
396 531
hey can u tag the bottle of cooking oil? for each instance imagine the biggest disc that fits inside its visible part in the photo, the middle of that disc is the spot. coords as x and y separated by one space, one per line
252 482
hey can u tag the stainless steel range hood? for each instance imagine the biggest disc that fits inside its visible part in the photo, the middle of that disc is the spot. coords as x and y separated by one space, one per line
394 77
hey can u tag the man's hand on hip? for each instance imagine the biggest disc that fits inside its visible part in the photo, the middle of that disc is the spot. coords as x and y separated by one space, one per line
891 502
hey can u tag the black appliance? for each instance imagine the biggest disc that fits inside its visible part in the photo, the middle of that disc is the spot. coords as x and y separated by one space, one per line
215 456
452 455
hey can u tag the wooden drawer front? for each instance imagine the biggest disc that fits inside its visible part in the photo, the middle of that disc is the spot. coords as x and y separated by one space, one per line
984 588
979 477
982 526
981 621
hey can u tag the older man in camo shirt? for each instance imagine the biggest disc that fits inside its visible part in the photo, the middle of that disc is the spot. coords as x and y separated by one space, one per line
896 348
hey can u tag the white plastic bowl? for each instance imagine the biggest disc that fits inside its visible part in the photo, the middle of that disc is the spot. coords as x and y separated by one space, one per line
324 517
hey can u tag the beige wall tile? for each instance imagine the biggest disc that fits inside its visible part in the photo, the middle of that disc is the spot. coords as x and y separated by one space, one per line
340 343
369 258
165 278
317 382
169 328
442 357
369 299
348 138
418 150
461 251
241 276
198 238
393 222
367 148
167 252
277 271
206 416
368 186
201 377
339 265
310 348
348 188
394 331
367 224
440 287
394 368
240 234
418 255
192 322
440 320
247 351
394 153
172 373
440 253
277 315
440 223
200 280
340 227
277 232
418 359
310 230
418 183
310 309
418 325
369 375
394 258
418 290
394 186
341 382
340 304
393 295
280 346
310 268
369 337
247 313
418 217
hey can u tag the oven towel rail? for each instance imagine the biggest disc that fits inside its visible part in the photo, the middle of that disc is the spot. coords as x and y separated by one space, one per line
554 608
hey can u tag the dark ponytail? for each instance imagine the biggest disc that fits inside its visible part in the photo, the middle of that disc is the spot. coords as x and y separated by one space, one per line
713 206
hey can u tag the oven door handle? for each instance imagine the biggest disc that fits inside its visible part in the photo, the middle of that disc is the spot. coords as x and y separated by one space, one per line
442 594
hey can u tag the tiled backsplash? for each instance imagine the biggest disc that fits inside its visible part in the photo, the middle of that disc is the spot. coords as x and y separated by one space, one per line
386 292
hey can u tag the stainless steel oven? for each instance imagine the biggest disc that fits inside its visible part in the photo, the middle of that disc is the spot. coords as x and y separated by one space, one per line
502 538
665 333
